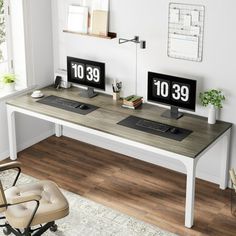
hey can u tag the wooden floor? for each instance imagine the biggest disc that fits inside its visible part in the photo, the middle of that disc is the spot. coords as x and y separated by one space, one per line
148 192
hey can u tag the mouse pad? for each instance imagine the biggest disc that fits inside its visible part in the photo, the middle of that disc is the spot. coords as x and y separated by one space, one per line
134 123
67 104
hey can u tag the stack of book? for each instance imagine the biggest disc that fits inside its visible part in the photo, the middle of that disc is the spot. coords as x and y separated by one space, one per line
132 101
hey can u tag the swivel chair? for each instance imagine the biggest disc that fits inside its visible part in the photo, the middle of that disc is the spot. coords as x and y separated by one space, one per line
30 209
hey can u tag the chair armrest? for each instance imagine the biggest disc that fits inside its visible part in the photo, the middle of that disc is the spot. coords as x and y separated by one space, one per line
10 165
23 199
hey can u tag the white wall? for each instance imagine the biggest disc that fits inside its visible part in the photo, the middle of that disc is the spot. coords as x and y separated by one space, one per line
149 20
40 27
39 46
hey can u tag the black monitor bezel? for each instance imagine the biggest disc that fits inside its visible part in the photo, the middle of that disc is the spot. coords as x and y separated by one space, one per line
101 86
191 82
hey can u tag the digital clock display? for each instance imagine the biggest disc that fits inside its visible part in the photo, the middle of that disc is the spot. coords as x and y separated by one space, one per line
85 72
172 90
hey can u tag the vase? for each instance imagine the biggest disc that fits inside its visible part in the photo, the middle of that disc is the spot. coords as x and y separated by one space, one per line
212 115
9 87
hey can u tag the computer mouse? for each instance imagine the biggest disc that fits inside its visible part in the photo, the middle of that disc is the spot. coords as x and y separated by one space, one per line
174 130
83 107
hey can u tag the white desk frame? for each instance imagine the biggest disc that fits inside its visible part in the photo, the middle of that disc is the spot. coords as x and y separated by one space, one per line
189 163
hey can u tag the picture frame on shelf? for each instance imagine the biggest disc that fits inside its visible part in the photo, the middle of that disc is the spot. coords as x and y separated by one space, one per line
77 19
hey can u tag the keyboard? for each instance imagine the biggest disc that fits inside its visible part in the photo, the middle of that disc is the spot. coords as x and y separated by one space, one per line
66 103
153 125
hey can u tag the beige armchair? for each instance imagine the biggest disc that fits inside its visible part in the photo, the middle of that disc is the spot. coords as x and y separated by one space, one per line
30 209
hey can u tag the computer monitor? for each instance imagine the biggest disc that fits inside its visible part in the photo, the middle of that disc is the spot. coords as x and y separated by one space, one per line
86 73
174 91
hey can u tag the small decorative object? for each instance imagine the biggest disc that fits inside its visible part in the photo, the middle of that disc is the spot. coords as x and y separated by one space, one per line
9 82
116 90
214 98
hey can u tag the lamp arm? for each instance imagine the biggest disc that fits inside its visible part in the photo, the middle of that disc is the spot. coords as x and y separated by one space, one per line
134 40
121 40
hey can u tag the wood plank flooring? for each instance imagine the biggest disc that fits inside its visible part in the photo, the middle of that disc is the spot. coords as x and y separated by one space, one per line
145 191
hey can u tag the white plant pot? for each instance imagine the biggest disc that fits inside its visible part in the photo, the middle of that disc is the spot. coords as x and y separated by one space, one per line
212 115
9 87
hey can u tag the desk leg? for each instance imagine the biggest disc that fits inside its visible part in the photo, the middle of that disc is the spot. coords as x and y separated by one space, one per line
12 133
224 171
190 193
58 130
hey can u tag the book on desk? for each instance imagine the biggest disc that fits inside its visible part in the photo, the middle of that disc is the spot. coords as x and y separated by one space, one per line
132 101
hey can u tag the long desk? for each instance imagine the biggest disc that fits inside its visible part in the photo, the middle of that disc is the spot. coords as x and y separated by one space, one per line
103 123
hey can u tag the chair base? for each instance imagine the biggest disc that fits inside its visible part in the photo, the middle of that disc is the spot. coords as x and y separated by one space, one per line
30 232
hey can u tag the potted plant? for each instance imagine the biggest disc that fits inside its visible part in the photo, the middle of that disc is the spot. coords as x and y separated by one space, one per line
214 98
9 82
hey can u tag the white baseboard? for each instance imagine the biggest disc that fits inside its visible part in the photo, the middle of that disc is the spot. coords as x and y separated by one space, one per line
4 155
208 177
28 143
107 144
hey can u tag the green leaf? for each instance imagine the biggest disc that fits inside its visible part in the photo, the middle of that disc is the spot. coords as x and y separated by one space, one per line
214 97
8 78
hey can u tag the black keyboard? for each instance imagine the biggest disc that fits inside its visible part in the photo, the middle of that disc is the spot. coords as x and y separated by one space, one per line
153 125
66 103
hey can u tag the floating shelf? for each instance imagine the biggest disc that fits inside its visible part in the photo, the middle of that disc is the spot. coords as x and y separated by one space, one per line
111 35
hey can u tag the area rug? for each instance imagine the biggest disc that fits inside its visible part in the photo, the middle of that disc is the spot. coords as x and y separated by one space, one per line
88 218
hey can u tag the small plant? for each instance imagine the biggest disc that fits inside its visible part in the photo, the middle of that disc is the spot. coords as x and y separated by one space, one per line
8 78
214 97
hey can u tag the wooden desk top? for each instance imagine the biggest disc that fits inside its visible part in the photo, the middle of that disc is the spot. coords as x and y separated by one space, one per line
110 112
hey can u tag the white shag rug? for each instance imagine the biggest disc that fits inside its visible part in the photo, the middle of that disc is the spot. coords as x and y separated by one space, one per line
88 218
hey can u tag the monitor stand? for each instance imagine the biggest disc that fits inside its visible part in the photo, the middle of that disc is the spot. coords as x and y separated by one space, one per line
173 113
88 93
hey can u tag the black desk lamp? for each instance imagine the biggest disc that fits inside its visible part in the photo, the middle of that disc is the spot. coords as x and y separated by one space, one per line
142 46
134 40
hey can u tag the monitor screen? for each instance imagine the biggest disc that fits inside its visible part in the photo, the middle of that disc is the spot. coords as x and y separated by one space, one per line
171 90
85 72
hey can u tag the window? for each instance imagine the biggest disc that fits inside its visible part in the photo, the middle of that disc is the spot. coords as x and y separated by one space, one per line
12 43
5 41
6 62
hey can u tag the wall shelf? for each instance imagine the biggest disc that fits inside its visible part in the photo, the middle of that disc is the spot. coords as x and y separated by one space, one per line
111 35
